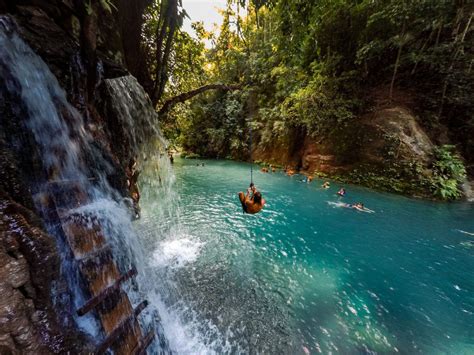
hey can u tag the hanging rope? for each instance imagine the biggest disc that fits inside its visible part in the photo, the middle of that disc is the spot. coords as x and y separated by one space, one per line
251 159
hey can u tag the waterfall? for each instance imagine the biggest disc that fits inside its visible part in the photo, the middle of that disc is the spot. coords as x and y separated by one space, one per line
468 190
159 229
135 114
66 149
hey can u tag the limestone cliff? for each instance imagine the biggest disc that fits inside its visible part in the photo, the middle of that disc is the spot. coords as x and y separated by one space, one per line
385 149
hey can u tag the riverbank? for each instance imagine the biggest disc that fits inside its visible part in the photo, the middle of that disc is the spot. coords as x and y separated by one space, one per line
385 149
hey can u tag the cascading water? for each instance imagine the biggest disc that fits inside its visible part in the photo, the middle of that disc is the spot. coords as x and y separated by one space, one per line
64 146
135 114
160 221
40 97
468 189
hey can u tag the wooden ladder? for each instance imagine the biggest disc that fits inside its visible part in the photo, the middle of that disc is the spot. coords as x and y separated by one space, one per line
99 272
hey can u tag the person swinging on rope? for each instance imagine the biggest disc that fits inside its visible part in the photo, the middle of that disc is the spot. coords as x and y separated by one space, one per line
252 202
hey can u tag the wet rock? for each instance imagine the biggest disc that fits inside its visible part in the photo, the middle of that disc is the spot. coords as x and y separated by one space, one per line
29 269
29 264
38 29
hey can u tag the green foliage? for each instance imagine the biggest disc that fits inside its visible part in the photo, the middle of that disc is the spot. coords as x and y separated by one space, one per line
308 68
215 126
107 5
448 173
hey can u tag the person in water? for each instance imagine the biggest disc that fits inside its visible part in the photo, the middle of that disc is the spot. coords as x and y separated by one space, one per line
357 206
289 171
342 192
307 179
252 202
326 185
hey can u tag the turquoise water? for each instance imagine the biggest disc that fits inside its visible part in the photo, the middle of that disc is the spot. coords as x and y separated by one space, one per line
306 275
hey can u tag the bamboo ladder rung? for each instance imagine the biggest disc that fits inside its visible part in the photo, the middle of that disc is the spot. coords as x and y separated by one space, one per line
95 301
123 327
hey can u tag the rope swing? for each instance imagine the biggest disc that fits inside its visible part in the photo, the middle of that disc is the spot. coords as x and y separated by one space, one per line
252 202
251 159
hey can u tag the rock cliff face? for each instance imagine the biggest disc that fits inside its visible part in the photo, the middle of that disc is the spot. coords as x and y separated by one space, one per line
386 149
81 50
29 270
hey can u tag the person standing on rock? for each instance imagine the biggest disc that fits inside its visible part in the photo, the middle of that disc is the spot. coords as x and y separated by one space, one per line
132 182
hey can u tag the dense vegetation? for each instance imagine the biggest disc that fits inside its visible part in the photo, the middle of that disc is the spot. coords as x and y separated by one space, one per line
306 68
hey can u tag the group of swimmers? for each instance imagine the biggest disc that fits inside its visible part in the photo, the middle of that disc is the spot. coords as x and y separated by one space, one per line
267 170
342 192
287 170
252 202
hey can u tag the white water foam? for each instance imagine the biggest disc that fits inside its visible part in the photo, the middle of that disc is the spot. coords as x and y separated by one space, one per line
176 253
464 232
347 205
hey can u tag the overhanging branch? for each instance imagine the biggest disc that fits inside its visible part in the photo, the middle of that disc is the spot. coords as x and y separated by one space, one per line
169 104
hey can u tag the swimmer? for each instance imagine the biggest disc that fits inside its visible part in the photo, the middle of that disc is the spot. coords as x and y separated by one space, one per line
307 179
342 192
326 185
290 172
356 206
359 206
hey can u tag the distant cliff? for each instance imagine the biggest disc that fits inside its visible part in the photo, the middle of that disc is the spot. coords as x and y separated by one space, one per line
384 149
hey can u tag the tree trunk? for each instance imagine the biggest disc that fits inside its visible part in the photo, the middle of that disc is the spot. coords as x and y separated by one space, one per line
397 61
422 50
167 30
166 54
160 37
169 104
88 40
130 17
453 60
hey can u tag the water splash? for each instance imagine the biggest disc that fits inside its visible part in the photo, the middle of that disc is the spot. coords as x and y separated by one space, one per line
177 253
163 245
